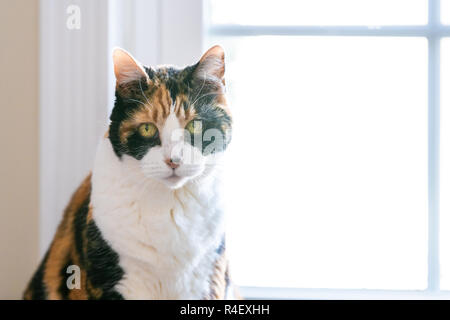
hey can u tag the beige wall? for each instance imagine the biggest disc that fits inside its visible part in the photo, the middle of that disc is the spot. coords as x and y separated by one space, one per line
19 144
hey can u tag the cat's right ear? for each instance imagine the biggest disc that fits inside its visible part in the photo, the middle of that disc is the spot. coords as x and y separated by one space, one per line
127 69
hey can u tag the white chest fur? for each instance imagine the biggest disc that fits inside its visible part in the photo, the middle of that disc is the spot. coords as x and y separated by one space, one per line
166 239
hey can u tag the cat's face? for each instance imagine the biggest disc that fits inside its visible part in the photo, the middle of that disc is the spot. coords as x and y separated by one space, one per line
173 123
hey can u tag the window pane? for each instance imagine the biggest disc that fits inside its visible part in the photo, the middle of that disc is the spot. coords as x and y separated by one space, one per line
445 165
327 170
319 12
445 11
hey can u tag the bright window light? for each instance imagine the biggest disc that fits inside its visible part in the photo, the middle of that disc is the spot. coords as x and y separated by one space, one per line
445 11
445 165
327 170
319 12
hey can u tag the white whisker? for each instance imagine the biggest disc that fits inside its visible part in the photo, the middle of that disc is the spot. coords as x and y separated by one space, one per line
205 95
203 84
136 101
140 86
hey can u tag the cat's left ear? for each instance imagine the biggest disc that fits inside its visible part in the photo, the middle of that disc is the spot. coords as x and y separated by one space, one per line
212 65
127 69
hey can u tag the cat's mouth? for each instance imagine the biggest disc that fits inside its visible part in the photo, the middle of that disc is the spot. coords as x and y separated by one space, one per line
173 176
174 181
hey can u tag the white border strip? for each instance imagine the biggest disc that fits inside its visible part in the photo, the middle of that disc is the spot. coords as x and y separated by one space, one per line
339 294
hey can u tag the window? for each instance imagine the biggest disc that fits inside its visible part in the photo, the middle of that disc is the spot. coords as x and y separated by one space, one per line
445 165
445 11
340 160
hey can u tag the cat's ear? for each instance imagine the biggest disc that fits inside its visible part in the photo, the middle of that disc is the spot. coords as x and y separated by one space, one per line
127 69
212 65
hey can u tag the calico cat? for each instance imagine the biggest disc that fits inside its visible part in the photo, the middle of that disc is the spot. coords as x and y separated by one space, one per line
148 222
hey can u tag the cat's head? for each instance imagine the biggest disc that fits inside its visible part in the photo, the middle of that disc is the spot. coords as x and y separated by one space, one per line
173 123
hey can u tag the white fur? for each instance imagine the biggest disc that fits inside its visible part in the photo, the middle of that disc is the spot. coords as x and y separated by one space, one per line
165 233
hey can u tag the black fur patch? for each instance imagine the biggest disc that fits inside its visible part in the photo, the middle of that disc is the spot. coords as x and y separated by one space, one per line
122 110
79 227
138 146
103 270
212 117
37 285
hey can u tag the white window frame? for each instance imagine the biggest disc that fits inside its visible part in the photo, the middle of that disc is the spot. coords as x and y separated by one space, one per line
433 31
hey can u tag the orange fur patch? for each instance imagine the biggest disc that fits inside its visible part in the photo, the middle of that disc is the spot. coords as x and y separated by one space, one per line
156 110
63 249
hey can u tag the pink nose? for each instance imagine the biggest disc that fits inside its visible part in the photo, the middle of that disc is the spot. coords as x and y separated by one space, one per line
171 163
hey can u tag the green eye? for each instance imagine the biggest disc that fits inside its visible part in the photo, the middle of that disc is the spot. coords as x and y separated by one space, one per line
194 127
147 130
